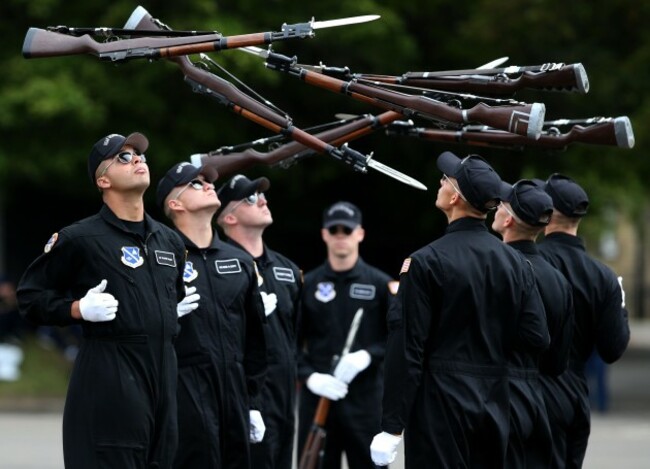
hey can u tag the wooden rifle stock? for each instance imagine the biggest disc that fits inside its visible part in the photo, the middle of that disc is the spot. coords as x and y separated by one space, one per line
571 77
613 132
43 43
231 163
315 445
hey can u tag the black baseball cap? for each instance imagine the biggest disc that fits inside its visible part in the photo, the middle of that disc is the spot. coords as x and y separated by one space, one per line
110 145
568 197
342 213
181 173
477 180
240 187
529 202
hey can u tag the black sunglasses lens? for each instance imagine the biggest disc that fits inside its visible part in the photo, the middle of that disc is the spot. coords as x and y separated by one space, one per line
338 228
197 184
125 157
252 199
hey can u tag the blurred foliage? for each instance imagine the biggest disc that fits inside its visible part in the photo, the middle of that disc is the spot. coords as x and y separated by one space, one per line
52 110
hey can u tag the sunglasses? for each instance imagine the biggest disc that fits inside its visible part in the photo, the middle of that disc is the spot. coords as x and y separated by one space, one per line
336 229
250 200
195 184
125 157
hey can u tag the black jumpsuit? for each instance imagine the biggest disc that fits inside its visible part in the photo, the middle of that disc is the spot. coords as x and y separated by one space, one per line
465 301
600 322
120 409
221 358
329 302
281 278
530 443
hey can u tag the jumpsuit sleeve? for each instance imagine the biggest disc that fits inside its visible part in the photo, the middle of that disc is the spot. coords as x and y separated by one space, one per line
412 316
532 329
44 298
612 326
556 359
377 349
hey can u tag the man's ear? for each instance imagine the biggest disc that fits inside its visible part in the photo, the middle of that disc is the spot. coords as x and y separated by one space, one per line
103 182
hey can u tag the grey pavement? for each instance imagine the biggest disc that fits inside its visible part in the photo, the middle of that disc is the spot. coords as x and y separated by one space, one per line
30 437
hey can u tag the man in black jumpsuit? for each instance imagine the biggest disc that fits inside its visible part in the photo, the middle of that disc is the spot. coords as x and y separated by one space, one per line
601 320
221 348
119 275
332 294
465 301
524 211
243 216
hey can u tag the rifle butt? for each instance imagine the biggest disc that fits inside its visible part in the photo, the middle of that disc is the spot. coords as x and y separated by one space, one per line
41 43
624 133
313 450
525 120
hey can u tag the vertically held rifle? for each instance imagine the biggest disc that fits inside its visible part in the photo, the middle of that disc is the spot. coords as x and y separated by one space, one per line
314 449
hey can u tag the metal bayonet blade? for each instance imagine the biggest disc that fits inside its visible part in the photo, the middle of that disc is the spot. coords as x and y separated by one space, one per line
494 64
255 51
387 170
344 21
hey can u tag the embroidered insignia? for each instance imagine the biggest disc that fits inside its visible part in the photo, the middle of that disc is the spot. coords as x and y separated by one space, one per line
362 291
405 266
50 243
393 287
260 279
284 274
325 292
189 273
165 258
229 266
131 257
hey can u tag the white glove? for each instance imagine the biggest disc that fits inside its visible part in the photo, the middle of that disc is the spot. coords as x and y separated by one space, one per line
327 386
189 303
257 427
383 448
351 364
620 282
97 306
270 302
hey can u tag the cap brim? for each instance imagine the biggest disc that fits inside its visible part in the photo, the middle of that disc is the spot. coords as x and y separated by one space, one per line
447 162
349 223
505 191
262 184
137 141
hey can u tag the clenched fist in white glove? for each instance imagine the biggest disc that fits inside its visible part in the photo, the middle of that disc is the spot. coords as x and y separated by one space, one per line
351 364
98 306
189 303
383 448
620 282
327 386
257 427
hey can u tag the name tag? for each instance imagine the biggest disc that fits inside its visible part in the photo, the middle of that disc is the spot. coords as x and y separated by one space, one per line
282 274
165 258
362 291
229 266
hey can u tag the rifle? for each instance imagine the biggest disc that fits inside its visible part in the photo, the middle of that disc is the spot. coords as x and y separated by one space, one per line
595 131
503 81
312 452
524 119
62 40
205 82
226 162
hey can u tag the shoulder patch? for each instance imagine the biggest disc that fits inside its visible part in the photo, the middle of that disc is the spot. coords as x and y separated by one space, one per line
50 243
393 286
228 266
405 266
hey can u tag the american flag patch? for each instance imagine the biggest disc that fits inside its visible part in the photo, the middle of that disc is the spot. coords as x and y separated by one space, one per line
405 266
